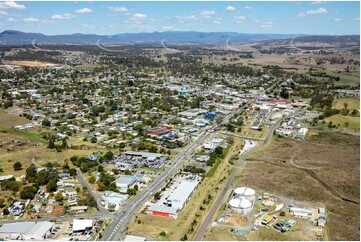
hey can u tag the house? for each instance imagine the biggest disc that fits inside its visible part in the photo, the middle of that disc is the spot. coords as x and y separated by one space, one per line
17 209
78 209
64 175
3 178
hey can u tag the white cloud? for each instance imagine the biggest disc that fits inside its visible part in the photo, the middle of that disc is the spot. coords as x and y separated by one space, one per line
318 11
338 19
11 20
11 5
87 26
357 19
168 28
139 16
84 10
207 14
248 7
31 20
3 13
240 19
230 8
118 9
64 16
217 22
256 21
318 2
182 19
267 25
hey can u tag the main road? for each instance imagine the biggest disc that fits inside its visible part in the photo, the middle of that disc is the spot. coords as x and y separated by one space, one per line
228 185
115 230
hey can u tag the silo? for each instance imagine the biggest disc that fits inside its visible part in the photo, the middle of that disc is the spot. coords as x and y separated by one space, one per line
240 205
245 192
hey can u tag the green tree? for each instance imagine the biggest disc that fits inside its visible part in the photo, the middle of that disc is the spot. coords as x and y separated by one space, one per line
28 192
17 166
51 186
30 173
58 197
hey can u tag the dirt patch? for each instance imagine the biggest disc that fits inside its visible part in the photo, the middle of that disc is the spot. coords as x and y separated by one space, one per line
30 63
10 120
236 220
325 171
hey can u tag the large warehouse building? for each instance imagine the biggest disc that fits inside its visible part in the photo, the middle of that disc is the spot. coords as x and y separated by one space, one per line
26 230
162 211
180 196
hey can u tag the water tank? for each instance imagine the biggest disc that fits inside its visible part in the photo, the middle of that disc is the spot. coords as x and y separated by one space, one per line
245 192
240 205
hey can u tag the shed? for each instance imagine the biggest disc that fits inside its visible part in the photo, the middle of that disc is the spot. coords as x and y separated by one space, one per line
80 225
39 231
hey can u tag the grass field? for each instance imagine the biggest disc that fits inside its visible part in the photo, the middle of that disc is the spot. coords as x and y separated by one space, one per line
9 120
27 134
353 103
338 119
329 173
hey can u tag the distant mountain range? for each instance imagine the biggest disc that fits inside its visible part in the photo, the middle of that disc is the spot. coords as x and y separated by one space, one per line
12 37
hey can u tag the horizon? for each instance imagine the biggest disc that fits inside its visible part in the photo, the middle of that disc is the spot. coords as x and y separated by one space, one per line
112 18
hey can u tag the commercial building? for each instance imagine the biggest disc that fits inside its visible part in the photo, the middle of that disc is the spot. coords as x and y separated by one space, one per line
180 196
26 230
162 211
80 225
301 212
125 181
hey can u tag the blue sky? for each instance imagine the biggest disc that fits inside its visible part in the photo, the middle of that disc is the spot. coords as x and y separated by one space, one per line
293 17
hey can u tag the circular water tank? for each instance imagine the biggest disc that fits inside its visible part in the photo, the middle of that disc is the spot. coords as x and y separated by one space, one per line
241 205
245 192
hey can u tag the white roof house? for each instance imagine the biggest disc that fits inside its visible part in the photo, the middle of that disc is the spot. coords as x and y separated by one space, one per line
134 238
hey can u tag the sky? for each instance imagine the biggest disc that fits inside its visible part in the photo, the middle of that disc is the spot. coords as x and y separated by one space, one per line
107 18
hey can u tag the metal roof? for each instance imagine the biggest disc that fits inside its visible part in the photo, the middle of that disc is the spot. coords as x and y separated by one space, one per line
39 230
143 154
162 209
183 191
19 228
127 179
82 224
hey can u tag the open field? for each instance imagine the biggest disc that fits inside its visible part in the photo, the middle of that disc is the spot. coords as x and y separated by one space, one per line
352 103
338 119
30 63
9 120
323 170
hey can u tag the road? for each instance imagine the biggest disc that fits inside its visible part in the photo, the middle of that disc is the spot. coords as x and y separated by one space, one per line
84 183
228 185
115 230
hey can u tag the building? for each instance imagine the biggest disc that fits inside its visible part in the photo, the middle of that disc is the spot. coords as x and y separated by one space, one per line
17 209
301 212
143 155
78 209
26 230
158 131
125 181
3 178
266 219
301 133
180 196
162 211
192 113
39 231
113 200
80 225
134 238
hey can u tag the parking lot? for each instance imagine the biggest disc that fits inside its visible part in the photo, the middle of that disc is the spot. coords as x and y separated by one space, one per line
156 162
